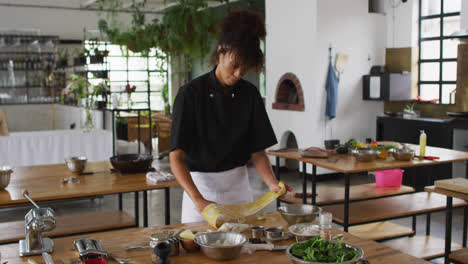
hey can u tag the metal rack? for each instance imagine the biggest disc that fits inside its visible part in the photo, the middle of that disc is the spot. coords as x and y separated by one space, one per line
26 62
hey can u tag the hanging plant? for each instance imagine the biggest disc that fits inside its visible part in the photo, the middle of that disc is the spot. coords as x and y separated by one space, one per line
186 28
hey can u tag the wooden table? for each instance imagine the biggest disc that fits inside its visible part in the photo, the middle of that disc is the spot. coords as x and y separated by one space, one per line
448 224
116 241
44 184
348 165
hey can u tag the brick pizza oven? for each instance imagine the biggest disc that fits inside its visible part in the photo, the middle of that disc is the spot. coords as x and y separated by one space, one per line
289 94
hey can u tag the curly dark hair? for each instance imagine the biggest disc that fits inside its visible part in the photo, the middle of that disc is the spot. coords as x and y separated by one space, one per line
240 33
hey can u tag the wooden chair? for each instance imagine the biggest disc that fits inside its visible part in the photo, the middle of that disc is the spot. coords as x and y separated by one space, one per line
3 124
163 129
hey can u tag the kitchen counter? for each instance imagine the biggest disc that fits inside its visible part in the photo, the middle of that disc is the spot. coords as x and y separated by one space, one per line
116 241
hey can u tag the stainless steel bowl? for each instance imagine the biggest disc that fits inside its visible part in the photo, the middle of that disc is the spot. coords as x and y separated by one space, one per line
76 164
207 239
365 154
299 213
304 231
5 175
301 261
404 154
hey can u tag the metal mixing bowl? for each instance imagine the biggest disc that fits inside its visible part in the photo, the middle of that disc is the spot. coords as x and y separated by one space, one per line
301 261
76 164
404 154
365 154
132 163
206 239
297 230
5 174
299 213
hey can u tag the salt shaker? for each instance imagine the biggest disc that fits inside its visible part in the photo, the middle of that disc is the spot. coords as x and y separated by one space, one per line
325 219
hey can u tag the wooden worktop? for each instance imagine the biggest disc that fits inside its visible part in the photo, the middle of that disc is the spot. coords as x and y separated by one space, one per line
446 192
115 242
348 164
44 183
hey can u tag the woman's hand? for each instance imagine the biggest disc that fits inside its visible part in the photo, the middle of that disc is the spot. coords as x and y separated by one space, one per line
201 204
274 187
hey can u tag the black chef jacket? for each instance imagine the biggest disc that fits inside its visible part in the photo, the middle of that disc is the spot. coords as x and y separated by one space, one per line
219 131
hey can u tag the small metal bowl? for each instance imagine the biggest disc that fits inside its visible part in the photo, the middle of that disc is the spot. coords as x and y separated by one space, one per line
365 154
76 164
297 260
206 239
304 231
299 213
5 175
404 154
274 233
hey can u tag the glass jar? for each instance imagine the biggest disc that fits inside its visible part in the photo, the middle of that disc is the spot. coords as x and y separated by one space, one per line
157 238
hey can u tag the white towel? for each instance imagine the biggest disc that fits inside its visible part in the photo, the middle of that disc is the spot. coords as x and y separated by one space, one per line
159 176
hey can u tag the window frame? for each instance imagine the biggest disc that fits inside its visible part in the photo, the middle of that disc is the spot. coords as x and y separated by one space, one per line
441 38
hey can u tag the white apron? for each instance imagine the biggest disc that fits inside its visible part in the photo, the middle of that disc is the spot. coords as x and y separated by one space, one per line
226 187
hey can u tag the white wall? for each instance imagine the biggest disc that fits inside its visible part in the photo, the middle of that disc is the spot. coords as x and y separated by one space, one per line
402 24
464 15
298 36
67 24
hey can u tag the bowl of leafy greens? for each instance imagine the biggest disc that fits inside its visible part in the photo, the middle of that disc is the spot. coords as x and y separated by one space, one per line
318 250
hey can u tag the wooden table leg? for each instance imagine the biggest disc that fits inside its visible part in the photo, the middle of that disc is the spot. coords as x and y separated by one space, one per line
346 203
448 229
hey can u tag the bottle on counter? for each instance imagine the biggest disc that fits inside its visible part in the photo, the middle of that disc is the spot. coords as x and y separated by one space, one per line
325 219
422 144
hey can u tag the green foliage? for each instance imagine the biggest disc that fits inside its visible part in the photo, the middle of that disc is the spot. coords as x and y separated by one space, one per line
319 250
183 29
62 54
78 86
409 109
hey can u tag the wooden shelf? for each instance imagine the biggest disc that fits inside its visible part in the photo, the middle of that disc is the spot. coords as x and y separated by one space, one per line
460 255
331 195
424 247
380 231
71 224
391 207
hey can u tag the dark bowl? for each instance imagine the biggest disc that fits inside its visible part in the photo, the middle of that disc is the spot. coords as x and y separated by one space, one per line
132 163
342 149
332 143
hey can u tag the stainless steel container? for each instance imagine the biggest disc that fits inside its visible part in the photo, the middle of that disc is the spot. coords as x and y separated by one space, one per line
304 231
76 164
404 154
5 175
297 260
299 213
207 239
258 232
274 233
365 155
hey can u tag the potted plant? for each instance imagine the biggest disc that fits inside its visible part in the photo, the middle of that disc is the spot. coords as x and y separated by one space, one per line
100 92
409 111
62 60
129 90
121 127
80 58
79 87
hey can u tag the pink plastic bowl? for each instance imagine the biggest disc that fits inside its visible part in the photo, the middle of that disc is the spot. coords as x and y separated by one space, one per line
389 178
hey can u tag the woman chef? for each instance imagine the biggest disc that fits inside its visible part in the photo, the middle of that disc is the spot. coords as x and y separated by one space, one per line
220 122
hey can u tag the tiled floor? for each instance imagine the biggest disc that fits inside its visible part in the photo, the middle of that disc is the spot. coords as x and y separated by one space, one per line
156 203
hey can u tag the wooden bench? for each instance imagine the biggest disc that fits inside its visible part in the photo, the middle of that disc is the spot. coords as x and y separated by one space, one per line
460 255
333 195
424 247
391 207
71 224
380 231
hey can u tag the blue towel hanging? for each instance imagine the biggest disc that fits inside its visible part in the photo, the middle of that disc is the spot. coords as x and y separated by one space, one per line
331 87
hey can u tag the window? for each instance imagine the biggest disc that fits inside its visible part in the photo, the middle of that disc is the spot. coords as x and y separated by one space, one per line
437 52
147 73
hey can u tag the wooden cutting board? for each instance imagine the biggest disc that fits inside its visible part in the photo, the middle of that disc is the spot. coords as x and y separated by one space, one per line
455 184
